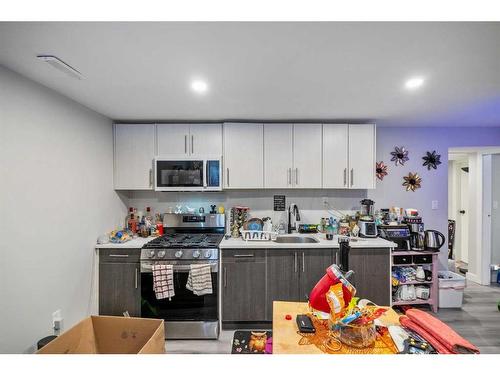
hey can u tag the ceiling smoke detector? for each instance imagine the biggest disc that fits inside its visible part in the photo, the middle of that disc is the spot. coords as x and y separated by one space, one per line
60 65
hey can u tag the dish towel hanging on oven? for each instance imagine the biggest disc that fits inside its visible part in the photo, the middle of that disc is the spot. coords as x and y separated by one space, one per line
200 279
163 281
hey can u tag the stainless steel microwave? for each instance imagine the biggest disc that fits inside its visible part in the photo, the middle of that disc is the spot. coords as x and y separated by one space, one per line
188 174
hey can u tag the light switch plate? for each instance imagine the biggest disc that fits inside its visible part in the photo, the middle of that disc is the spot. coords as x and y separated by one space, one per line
435 205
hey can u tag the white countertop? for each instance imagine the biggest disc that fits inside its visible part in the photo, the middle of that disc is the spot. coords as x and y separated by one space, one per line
238 243
135 243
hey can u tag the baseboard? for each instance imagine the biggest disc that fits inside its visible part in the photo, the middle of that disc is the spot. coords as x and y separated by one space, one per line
473 277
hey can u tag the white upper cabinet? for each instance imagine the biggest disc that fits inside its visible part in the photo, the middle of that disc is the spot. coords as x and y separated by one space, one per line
243 156
134 151
189 139
362 156
206 139
307 156
278 156
335 156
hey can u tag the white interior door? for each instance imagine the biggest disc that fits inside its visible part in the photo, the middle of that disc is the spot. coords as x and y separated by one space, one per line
205 139
307 162
173 139
278 157
463 214
335 156
243 156
362 156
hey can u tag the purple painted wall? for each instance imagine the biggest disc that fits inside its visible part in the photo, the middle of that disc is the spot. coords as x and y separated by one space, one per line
418 140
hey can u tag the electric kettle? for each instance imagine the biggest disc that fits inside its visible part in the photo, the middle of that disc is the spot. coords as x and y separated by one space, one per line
433 240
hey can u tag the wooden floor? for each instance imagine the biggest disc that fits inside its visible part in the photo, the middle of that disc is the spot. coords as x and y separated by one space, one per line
478 321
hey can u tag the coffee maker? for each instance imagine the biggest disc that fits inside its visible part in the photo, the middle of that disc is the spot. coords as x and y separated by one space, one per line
417 232
366 223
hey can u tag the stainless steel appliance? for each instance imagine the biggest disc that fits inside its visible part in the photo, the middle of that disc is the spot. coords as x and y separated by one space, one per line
367 207
416 227
188 174
366 223
188 239
434 240
400 234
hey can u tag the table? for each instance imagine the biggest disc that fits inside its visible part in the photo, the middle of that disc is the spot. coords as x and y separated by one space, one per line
285 337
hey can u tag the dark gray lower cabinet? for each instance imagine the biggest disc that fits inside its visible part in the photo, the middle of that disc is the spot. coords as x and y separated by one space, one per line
372 274
313 265
243 285
119 288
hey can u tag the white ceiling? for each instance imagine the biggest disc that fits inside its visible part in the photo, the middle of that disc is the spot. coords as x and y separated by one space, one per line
273 71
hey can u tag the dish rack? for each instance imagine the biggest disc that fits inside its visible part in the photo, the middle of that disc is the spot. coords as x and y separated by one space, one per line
257 235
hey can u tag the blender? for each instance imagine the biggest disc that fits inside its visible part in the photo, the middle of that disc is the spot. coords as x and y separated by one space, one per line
366 223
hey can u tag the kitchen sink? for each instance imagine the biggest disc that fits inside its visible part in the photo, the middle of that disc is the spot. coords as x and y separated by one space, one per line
295 239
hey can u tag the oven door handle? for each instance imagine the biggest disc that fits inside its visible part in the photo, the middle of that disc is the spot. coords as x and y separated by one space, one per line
148 267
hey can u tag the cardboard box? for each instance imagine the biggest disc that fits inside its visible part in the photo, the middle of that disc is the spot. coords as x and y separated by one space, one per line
110 335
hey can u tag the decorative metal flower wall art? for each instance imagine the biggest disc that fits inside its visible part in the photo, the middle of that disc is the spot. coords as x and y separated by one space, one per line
399 155
431 160
380 170
412 182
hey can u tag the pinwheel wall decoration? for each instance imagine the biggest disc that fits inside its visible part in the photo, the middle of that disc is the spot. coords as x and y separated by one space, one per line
412 182
431 160
399 155
380 170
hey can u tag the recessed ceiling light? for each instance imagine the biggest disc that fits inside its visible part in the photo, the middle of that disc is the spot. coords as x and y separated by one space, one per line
414 83
60 65
199 86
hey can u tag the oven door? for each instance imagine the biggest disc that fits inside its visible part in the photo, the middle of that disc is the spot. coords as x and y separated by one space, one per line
180 174
185 305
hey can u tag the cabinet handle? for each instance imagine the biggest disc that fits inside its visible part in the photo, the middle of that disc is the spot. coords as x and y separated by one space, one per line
352 176
185 144
192 144
150 177
303 263
295 262
337 258
345 176
118 255
136 282
227 170
243 255
289 176
296 176
225 277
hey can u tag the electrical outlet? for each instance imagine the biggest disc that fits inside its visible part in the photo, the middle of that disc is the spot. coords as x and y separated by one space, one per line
435 205
57 320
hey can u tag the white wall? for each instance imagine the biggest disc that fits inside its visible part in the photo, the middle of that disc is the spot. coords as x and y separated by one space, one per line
56 198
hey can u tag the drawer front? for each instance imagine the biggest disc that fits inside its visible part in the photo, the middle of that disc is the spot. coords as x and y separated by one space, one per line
119 255
243 255
402 259
424 259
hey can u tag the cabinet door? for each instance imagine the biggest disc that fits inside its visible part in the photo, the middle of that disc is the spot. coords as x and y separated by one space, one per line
205 139
173 139
282 277
278 156
243 156
372 274
133 156
313 265
119 289
307 155
335 156
243 289
362 156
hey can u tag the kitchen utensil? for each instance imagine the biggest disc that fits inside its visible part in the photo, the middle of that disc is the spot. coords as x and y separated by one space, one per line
433 240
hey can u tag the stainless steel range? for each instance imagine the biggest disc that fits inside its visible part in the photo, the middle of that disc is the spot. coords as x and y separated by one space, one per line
188 239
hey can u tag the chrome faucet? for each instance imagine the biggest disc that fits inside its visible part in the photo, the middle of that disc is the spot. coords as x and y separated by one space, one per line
293 210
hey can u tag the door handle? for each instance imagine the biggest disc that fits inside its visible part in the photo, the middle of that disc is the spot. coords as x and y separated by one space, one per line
462 212
345 176
296 176
192 144
303 262
225 277
136 279
295 262
352 176
185 143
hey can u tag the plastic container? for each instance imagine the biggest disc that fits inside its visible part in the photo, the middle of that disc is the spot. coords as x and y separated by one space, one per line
451 289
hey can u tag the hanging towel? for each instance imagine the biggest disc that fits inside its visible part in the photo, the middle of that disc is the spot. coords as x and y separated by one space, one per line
163 281
200 279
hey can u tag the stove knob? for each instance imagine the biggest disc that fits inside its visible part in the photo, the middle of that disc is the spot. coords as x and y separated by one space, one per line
196 254
208 254
161 253
151 253
178 253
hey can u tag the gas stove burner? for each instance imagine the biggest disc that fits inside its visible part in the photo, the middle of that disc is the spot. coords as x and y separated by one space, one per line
182 240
